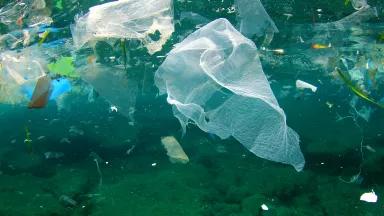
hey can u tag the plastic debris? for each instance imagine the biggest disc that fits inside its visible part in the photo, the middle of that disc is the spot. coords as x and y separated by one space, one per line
128 19
113 108
175 152
369 197
254 20
359 4
21 13
112 84
304 85
64 67
214 78
41 93
20 72
264 207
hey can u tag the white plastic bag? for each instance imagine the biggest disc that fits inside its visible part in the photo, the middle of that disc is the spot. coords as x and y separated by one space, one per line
214 78
128 19
254 20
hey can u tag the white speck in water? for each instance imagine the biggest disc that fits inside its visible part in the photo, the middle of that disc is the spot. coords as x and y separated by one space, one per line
113 108
264 207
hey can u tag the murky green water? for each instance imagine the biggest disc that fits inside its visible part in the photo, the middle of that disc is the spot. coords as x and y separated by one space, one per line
86 159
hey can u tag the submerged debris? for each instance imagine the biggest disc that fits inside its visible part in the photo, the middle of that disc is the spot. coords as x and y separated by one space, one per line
304 85
175 152
369 197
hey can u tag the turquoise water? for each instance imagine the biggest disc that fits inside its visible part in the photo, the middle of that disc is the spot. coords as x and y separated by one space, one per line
86 159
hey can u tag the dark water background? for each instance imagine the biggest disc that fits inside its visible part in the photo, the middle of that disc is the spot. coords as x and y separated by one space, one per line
222 177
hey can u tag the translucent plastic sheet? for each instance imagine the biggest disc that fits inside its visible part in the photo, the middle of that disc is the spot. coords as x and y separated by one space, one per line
19 71
254 20
214 78
113 85
32 13
148 20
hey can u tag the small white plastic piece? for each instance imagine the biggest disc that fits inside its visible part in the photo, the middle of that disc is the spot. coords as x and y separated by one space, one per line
175 152
304 85
113 108
369 197
264 207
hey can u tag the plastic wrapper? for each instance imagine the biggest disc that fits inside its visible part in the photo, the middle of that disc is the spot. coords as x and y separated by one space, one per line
150 21
214 79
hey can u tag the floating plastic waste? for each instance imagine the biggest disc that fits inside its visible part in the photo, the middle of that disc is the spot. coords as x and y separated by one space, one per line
254 20
369 197
112 84
126 19
304 85
41 93
175 152
31 13
214 78
59 86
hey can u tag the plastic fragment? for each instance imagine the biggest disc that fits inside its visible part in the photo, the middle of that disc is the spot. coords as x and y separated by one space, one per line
304 85
370 197
59 86
175 152
264 207
64 67
41 93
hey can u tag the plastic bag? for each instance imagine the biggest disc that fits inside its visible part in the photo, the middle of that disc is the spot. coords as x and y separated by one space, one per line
113 85
25 12
130 19
254 20
214 78
19 74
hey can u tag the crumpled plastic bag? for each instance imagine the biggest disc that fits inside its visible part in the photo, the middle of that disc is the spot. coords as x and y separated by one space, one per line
214 79
254 20
148 20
